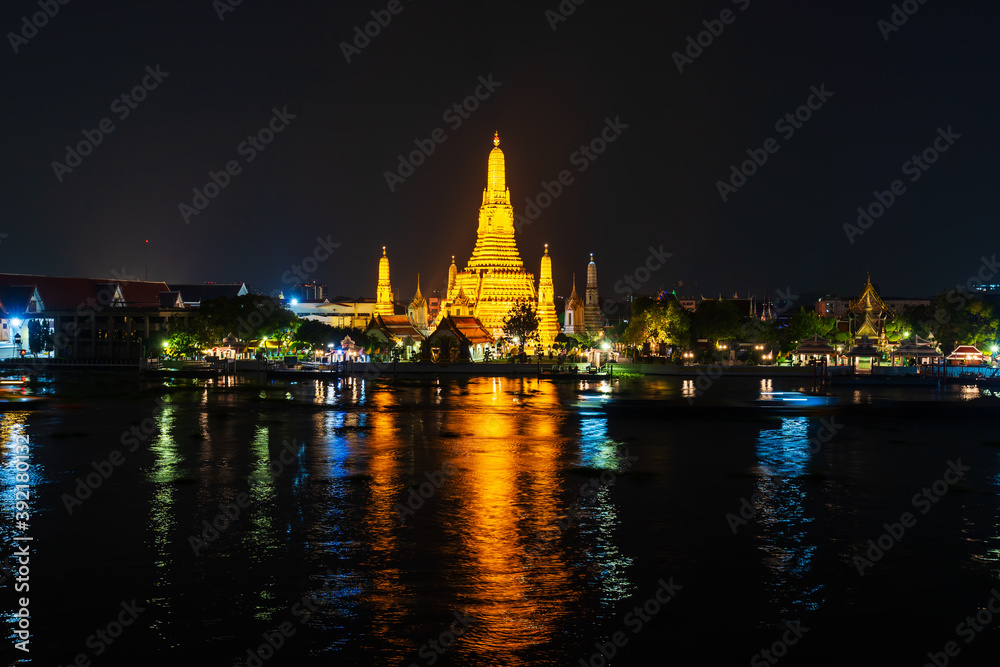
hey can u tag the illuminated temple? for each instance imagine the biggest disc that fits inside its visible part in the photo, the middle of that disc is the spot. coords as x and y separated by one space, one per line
494 279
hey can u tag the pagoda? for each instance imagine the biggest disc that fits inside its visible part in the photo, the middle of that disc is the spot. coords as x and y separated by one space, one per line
548 326
383 301
593 319
867 316
494 280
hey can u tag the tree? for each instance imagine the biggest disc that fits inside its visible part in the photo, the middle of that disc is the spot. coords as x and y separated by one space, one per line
183 343
521 325
316 334
967 321
806 323
658 322
716 320
38 335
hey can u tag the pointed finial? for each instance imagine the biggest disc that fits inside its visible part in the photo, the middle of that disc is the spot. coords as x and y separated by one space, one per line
591 258
452 259
496 138
383 251
546 248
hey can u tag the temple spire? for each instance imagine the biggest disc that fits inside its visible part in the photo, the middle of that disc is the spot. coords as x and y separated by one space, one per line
383 292
496 176
548 326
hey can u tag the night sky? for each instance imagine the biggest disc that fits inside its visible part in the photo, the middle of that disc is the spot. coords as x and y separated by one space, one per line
655 184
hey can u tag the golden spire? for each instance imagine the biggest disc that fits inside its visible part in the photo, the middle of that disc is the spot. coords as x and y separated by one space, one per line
548 325
496 173
419 302
383 291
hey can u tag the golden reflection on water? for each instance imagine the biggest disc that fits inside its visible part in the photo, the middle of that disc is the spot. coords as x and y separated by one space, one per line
688 389
386 593
508 490
969 392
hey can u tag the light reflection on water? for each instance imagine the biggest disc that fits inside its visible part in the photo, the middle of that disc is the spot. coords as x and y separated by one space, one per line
521 449
162 518
783 456
599 516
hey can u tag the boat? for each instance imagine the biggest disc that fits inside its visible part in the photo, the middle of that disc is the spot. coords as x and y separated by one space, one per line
574 373
13 397
794 402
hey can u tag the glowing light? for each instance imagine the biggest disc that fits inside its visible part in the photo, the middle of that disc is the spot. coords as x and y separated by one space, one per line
16 323
295 302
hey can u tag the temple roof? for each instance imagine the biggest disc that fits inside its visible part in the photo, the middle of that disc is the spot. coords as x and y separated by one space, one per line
869 300
814 345
965 351
468 329
394 326
58 293
865 348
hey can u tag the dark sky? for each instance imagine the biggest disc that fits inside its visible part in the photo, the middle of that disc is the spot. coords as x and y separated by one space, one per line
656 184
